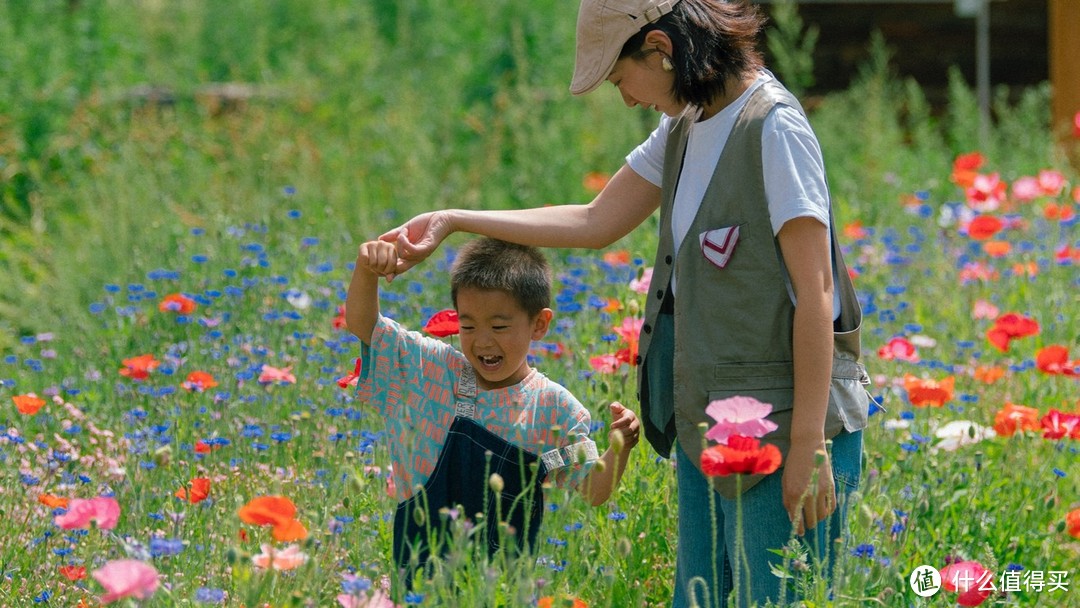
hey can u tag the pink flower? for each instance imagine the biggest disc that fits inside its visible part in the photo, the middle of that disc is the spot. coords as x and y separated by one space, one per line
971 580
605 364
1051 182
284 559
1026 189
901 349
984 310
270 375
126 578
377 599
986 193
738 416
103 510
642 285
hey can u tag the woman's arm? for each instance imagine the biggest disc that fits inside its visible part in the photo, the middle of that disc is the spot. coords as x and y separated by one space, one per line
804 243
624 203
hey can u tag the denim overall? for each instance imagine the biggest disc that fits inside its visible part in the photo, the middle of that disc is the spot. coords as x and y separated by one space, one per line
461 480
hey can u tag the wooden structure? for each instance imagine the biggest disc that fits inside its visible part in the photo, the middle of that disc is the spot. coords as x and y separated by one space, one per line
929 36
1065 63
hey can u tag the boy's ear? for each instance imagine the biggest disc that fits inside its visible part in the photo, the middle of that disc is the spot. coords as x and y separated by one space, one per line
541 323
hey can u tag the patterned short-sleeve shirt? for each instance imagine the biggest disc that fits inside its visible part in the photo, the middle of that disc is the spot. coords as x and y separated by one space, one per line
411 379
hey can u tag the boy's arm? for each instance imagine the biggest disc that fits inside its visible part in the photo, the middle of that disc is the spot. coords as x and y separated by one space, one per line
374 259
606 474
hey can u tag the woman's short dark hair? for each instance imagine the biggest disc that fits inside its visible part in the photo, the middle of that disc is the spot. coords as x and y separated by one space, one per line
490 264
712 39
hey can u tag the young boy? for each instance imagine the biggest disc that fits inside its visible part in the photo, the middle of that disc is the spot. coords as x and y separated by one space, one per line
476 428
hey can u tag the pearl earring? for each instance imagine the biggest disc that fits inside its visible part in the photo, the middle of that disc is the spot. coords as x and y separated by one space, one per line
666 64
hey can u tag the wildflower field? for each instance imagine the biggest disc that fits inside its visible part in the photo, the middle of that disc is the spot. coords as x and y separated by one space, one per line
176 422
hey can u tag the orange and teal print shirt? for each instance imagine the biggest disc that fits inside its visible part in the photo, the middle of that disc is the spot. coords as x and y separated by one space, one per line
411 379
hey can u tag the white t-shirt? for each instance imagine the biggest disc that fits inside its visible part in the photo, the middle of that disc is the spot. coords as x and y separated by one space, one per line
790 156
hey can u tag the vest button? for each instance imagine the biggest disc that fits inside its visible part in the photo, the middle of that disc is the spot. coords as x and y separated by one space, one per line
637 360
659 294
646 328
668 260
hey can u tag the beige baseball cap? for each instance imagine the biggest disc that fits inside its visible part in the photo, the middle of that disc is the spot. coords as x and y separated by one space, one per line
603 28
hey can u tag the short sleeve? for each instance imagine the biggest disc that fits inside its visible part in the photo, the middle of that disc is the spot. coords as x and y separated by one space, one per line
647 160
578 449
393 364
793 167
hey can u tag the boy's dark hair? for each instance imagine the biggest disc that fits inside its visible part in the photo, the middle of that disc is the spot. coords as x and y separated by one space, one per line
519 270
713 40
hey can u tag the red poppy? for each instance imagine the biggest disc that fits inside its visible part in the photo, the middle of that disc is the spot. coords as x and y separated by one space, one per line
178 303
1060 213
443 323
855 231
1072 520
741 455
199 381
984 226
899 348
560 602
988 374
339 319
73 573
971 580
199 491
53 502
1057 424
1054 359
965 168
352 378
997 249
923 392
594 181
28 404
1010 326
276 511
617 258
139 368
1012 418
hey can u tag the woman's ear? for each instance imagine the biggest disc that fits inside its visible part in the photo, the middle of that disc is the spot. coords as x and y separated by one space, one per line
541 323
658 40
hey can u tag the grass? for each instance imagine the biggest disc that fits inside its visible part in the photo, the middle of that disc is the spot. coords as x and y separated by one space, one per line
359 116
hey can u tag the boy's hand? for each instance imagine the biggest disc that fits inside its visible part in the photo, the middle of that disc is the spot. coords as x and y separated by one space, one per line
378 257
625 421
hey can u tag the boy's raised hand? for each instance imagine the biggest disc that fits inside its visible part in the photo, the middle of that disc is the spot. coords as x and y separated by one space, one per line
378 257
624 420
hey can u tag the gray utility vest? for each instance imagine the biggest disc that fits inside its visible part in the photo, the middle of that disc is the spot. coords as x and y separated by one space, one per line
733 325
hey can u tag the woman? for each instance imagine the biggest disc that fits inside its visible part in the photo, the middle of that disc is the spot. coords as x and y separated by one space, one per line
745 226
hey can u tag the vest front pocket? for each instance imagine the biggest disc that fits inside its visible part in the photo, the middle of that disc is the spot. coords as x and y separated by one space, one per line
772 383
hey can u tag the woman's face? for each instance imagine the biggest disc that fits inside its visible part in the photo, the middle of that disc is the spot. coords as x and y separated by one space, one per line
642 80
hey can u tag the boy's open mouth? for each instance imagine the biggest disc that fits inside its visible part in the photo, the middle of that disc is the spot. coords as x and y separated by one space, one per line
489 360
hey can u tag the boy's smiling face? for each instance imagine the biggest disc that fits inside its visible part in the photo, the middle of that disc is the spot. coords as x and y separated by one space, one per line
496 334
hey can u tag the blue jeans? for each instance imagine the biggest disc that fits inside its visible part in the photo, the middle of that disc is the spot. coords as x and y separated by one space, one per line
766 526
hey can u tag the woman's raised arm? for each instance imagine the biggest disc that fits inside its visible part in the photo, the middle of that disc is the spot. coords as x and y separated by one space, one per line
621 206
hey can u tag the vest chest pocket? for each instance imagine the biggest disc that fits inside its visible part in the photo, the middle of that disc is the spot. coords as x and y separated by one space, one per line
718 245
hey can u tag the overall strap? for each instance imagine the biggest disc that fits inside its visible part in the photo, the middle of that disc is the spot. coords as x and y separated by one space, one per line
465 393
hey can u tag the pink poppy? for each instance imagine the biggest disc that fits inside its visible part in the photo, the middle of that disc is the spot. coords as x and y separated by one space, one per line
126 578
605 364
1057 424
641 285
986 193
377 599
1026 189
900 349
738 416
270 375
102 510
971 580
984 310
353 377
1052 183
288 558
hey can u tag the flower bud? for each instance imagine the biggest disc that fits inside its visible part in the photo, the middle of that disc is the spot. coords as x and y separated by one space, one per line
496 483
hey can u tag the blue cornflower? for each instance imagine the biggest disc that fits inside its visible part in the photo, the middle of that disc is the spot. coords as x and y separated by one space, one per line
206 595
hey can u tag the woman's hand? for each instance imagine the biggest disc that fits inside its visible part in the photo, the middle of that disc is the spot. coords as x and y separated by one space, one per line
418 238
808 500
